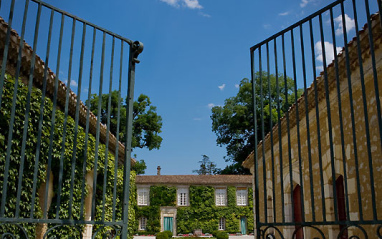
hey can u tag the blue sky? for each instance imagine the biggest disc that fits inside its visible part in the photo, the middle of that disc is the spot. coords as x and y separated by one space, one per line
196 52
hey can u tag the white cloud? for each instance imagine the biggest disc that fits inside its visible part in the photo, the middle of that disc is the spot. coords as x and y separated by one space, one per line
304 3
237 86
266 26
221 87
320 68
211 105
204 14
284 13
72 83
197 119
350 24
192 4
329 51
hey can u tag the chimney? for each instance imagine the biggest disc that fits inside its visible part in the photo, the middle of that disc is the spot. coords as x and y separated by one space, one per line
158 170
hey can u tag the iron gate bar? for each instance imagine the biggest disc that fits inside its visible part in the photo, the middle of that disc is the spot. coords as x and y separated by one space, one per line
328 209
317 118
378 104
364 102
54 122
307 122
130 42
135 49
328 112
348 73
87 122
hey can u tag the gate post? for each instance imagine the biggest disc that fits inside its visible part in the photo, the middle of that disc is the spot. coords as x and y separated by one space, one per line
135 49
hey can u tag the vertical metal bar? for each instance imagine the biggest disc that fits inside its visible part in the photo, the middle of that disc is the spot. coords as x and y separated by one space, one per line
38 144
5 53
348 73
74 156
379 2
255 156
286 108
65 120
298 128
378 105
21 47
271 134
367 131
84 171
54 118
13 112
108 130
263 136
67 100
339 106
317 120
329 116
135 49
307 125
117 134
279 132
93 214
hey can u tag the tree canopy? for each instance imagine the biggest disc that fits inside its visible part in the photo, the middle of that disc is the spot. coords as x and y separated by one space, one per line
233 123
207 167
147 124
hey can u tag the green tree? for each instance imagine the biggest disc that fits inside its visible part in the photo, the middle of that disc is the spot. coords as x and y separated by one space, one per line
207 167
147 124
233 122
139 167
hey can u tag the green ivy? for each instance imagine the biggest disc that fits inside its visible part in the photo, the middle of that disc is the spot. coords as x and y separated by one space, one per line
202 212
162 196
62 162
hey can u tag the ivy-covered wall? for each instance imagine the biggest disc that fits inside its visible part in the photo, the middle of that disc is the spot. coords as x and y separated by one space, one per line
159 196
202 212
62 160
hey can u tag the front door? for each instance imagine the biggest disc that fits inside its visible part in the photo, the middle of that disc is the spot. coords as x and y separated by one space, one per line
243 225
167 224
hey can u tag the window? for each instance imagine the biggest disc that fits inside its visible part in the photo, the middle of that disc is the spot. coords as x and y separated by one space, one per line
241 196
182 196
143 196
221 196
142 223
222 223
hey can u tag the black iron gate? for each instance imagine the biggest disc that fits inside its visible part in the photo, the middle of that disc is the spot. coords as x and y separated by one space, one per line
317 104
64 164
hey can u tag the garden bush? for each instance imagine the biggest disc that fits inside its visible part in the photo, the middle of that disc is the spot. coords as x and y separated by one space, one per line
162 235
222 235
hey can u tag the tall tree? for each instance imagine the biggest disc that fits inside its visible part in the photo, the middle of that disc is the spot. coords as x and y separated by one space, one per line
147 124
207 167
233 122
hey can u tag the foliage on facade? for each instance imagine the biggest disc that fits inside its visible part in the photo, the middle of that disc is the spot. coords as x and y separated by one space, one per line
79 151
159 196
202 212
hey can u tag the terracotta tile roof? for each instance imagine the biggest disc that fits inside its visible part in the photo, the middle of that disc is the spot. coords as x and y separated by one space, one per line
194 179
27 55
320 81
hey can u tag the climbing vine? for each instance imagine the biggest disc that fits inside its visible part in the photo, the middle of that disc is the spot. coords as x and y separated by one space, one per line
66 158
159 196
202 212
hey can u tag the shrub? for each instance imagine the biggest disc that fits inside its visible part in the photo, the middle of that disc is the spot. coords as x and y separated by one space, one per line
162 235
222 235
169 233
